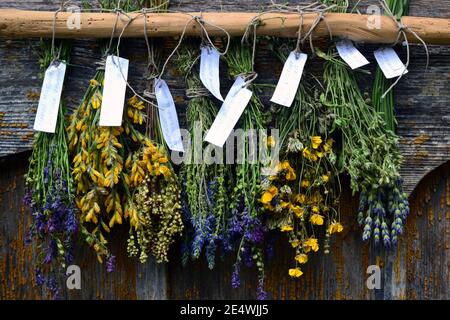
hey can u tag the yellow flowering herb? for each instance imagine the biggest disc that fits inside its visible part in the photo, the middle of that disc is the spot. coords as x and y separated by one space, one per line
298 211
311 244
271 141
316 219
316 141
295 243
295 273
301 258
286 228
335 227
269 194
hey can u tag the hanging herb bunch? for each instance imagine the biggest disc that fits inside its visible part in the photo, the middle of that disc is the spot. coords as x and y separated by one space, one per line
385 106
111 166
247 224
368 153
206 185
156 200
301 194
50 194
154 207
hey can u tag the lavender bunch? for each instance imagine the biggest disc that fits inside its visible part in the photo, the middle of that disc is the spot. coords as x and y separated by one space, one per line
205 184
49 196
383 213
247 234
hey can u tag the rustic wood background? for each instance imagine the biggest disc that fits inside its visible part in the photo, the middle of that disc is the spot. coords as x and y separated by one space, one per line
417 269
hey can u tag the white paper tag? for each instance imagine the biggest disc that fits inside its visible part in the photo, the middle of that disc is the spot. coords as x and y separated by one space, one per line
229 114
290 79
116 75
47 112
209 71
168 117
348 52
390 63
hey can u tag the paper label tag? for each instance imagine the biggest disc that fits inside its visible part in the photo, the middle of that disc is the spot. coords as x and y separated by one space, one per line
47 112
290 79
348 52
116 75
229 114
390 63
209 71
168 117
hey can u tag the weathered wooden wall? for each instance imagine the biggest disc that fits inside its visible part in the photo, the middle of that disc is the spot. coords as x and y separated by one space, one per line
419 268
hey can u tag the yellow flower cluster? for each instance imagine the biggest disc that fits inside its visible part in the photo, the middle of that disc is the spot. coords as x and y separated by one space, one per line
109 163
318 149
296 195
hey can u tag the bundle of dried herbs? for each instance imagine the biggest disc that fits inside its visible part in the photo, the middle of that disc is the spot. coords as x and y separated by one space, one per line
50 193
302 193
206 177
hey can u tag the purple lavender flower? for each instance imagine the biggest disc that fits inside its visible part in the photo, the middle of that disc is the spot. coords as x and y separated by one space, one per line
71 223
39 222
28 237
247 256
235 276
46 174
53 287
69 257
111 264
28 199
51 253
40 280
260 293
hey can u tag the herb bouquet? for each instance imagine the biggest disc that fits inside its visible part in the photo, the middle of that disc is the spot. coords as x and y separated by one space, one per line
114 169
301 194
50 194
247 223
206 184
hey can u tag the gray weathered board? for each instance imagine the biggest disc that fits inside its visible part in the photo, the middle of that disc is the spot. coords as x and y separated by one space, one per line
419 268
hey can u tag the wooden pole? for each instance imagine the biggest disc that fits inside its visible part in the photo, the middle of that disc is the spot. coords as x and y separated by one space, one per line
29 24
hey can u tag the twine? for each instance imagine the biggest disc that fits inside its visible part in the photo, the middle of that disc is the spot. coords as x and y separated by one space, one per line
201 22
248 77
402 28
197 93
319 19
62 7
299 32
119 12
254 24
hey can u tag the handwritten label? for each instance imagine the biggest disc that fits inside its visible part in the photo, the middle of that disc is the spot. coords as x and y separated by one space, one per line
390 63
168 116
47 112
348 52
209 70
290 79
116 75
229 114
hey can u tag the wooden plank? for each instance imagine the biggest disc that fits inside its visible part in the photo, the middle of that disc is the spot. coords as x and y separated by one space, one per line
417 269
32 24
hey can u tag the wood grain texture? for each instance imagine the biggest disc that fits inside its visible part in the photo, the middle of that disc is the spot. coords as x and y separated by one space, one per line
417 269
17 24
